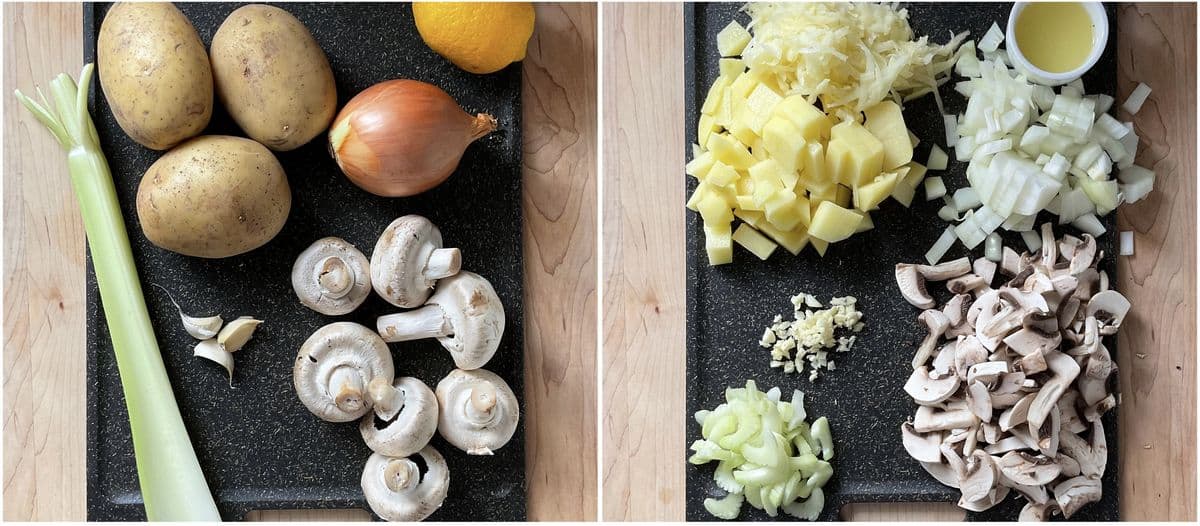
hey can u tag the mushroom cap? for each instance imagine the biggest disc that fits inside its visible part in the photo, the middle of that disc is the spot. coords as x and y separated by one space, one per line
462 424
339 348
476 315
412 427
399 260
416 499
927 391
331 276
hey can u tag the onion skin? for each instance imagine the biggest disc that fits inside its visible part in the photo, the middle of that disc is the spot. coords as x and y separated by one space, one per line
402 137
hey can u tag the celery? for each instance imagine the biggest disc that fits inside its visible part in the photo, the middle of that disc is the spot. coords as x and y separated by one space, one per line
173 487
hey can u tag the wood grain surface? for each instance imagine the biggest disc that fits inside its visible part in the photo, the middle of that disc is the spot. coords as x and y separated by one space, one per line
643 348
43 273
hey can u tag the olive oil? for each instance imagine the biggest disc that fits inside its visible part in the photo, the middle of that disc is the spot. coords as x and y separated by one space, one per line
1055 36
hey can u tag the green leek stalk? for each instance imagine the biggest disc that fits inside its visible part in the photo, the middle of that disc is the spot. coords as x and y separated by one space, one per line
173 487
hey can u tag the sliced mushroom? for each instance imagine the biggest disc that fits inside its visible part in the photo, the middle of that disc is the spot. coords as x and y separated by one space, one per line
980 478
922 447
1009 389
936 323
1065 370
1017 414
946 270
929 419
1049 246
967 353
965 284
1073 493
979 401
1032 363
331 277
478 412
985 269
943 473
912 286
986 372
1083 255
397 491
1109 308
1028 341
1029 470
408 260
1093 381
1005 445
1093 457
407 413
943 363
465 316
1034 512
334 367
1010 262
927 391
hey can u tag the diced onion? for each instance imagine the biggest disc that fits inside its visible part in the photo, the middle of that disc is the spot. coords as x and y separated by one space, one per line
992 39
1111 127
951 124
1126 243
934 188
1138 97
948 213
966 199
1033 240
1089 223
941 246
938 160
1103 102
993 247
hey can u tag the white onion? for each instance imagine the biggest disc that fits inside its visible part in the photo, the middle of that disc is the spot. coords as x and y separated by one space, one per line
966 199
934 188
993 248
938 160
1033 240
941 246
1126 243
992 39
948 213
1089 223
1136 98
951 124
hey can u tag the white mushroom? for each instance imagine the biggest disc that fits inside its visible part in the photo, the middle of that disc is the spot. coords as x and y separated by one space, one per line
980 478
928 419
912 286
927 391
465 316
334 367
409 260
1034 512
1065 370
397 491
405 417
1073 493
478 412
1109 308
936 323
331 277
946 270
923 447
1029 470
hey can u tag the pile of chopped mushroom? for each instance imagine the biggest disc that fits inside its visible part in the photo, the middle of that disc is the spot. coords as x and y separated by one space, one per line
344 371
1011 382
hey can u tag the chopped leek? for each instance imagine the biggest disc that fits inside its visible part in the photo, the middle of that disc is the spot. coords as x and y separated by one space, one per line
173 486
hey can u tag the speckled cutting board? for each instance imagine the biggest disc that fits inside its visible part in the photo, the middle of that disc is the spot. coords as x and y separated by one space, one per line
259 447
730 305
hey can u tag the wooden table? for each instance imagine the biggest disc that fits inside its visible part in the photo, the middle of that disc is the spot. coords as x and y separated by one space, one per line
44 365
643 338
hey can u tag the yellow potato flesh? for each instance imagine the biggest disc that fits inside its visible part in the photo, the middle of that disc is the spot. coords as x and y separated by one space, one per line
832 223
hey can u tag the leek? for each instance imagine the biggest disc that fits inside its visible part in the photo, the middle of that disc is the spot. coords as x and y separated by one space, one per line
173 487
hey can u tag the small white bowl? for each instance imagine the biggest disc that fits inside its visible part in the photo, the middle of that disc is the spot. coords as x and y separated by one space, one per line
1099 40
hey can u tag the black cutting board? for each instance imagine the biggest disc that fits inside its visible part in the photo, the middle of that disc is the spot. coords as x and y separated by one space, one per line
730 305
259 447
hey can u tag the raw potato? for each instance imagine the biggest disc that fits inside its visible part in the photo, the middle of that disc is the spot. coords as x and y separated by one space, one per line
214 196
273 77
154 73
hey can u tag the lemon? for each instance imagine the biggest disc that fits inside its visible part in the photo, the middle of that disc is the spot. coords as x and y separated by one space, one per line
477 37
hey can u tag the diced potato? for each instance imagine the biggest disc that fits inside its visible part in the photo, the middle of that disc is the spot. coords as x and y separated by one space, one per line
913 139
714 209
713 99
751 217
746 202
759 107
752 240
886 122
845 196
784 142
743 85
906 187
793 241
784 209
812 123
723 116
827 193
916 173
854 156
727 150
744 184
732 40
705 127
721 174
833 223
904 194
813 174
866 223
718 242
867 197
819 245
732 67
699 166
757 150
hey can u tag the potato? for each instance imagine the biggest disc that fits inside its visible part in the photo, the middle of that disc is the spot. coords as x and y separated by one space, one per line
154 73
272 77
214 196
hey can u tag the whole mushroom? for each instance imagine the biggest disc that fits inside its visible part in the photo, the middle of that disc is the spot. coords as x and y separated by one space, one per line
407 413
464 314
397 491
334 367
477 411
331 277
409 260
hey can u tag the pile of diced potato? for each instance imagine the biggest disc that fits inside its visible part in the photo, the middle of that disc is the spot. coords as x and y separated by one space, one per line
785 169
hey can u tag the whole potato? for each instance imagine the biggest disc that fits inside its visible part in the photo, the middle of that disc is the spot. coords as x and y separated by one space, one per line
273 77
214 196
155 73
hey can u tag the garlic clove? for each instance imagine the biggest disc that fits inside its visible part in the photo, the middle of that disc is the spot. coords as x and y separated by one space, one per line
201 328
235 335
211 350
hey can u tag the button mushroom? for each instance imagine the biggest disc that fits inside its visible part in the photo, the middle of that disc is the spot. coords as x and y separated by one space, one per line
478 412
331 277
465 316
334 367
405 417
409 260
927 391
397 491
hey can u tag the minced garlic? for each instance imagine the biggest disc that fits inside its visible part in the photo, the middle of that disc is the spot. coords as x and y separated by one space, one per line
811 333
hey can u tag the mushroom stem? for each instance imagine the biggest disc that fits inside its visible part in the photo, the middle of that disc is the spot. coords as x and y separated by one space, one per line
335 276
346 386
483 397
426 322
400 475
386 398
443 263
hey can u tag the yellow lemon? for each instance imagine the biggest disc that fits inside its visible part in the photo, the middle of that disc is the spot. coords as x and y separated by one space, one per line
475 36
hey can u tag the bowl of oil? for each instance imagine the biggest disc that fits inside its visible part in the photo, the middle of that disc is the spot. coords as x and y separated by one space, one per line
1054 43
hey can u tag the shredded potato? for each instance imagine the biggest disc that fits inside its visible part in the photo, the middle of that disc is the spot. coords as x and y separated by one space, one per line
849 56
